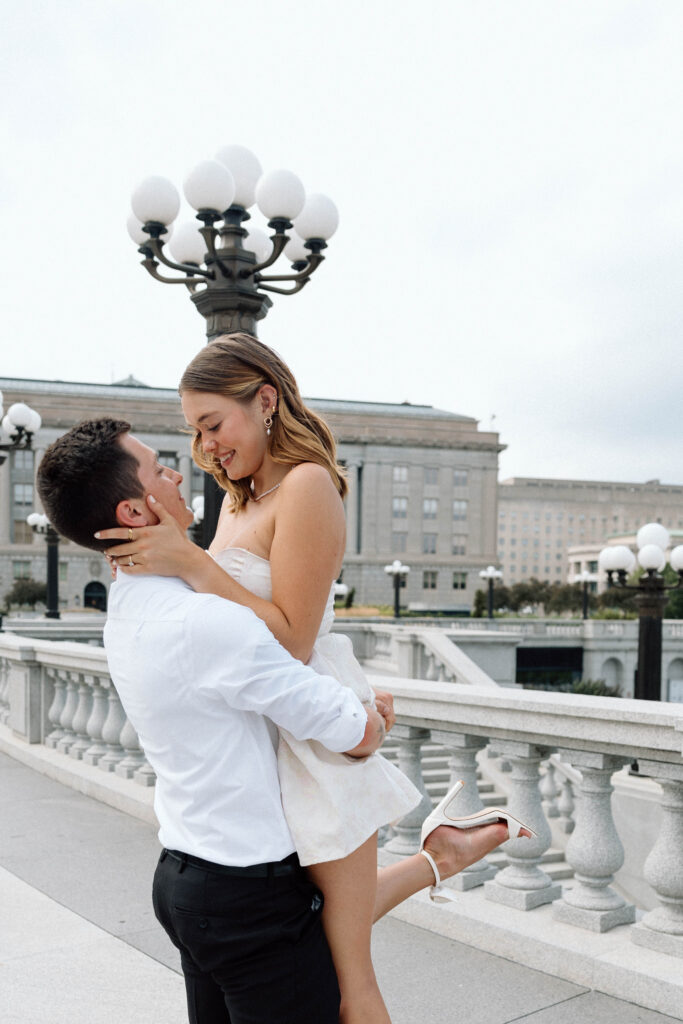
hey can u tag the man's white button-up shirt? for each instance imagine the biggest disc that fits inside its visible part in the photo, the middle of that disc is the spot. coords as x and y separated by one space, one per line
201 680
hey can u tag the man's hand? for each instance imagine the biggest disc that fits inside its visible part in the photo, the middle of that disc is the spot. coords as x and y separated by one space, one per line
373 737
384 702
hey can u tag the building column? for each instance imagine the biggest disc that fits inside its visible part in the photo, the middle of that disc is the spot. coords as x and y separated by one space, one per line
5 502
37 458
185 467
353 508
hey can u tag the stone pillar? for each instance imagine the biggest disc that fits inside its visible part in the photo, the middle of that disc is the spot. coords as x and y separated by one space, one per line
522 884
5 503
56 707
594 849
37 458
662 928
463 750
409 756
81 717
133 756
352 510
67 715
95 724
111 732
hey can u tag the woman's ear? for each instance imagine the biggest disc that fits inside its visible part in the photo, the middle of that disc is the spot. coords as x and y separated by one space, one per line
133 512
268 397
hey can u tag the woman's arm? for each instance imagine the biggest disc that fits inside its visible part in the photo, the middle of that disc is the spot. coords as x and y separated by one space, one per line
305 556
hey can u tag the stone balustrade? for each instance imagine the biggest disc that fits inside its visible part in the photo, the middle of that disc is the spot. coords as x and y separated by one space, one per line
595 737
60 694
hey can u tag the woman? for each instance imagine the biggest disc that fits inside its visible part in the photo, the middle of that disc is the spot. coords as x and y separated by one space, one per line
278 548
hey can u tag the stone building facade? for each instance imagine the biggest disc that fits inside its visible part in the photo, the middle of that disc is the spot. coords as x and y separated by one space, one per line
540 520
423 488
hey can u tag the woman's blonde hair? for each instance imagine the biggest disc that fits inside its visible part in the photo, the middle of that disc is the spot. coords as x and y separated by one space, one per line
237 365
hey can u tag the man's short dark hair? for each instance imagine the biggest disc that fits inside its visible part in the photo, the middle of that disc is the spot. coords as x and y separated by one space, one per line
82 478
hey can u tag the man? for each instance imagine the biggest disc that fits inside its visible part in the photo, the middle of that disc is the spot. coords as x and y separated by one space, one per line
202 680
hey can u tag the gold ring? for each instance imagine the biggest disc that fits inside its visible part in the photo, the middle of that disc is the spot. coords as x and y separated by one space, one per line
130 533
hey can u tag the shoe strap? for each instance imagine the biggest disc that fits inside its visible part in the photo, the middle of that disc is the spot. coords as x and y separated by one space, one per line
434 868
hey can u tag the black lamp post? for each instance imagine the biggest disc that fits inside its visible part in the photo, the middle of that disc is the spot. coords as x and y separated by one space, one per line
585 578
19 424
40 524
222 263
651 596
490 574
398 571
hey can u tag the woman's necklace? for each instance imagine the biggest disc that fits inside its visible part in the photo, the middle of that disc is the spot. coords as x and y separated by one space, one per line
255 497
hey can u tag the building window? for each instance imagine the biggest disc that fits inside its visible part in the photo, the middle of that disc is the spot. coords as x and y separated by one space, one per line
460 510
23 460
459 546
431 476
63 571
430 507
21 570
398 543
400 475
169 459
592 566
429 578
459 580
22 534
399 508
429 543
23 494
460 479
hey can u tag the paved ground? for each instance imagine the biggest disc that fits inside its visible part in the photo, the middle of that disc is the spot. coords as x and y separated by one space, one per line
79 943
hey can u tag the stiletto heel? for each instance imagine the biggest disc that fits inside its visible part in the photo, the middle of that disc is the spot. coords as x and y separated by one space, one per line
440 816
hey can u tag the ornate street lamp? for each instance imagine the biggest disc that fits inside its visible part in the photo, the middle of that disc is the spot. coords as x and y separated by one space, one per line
491 574
197 528
19 424
651 595
221 262
40 524
398 571
585 578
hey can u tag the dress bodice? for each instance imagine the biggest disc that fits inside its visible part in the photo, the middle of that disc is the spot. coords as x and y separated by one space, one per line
253 572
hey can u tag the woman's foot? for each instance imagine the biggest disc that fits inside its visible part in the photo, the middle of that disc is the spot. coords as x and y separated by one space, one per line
454 849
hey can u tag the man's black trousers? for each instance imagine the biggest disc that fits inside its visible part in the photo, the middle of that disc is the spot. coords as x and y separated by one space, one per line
252 949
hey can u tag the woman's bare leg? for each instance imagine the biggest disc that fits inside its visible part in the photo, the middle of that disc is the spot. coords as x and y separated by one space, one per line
349 886
453 849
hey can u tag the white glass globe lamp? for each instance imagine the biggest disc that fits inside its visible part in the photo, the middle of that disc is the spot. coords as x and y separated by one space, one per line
280 195
621 558
21 415
676 558
188 246
156 199
319 218
35 421
257 241
651 557
8 429
246 171
295 250
209 186
136 231
653 533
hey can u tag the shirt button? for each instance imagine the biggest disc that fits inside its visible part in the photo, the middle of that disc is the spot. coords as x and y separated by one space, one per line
203 923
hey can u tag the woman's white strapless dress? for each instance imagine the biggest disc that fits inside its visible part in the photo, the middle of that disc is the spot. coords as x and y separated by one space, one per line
332 802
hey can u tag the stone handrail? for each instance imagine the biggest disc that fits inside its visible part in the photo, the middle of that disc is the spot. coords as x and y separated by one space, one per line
595 737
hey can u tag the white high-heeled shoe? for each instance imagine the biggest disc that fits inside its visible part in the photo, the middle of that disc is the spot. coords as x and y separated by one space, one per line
441 816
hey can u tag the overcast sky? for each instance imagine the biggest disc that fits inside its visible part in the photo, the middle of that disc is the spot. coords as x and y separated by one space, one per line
509 176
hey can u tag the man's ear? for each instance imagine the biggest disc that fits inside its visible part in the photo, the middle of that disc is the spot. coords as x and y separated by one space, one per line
133 512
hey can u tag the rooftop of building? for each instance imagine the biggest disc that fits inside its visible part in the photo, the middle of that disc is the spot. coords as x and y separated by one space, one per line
557 482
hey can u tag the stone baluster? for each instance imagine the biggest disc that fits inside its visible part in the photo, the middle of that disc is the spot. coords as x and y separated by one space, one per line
145 775
68 712
95 724
54 715
549 791
133 756
80 722
594 849
111 732
463 750
565 805
410 740
522 884
662 928
4 690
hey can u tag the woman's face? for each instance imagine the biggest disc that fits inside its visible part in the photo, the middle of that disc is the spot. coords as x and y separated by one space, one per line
233 431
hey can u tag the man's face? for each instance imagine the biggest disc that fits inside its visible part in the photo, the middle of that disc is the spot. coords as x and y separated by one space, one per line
160 481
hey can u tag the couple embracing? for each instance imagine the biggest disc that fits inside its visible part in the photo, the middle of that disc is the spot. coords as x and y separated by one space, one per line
258 721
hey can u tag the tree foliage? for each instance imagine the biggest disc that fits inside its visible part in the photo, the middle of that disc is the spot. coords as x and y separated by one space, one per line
26 592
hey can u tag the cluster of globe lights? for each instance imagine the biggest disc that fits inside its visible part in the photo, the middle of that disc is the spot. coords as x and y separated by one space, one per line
38 521
19 424
653 541
224 189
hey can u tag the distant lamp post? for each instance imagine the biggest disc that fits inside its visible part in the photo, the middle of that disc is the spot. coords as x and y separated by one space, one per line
585 578
197 527
651 595
222 263
41 525
398 571
19 424
491 574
